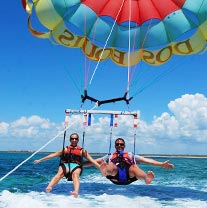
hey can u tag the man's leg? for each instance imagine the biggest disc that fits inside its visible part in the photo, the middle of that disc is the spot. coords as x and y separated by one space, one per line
108 169
135 171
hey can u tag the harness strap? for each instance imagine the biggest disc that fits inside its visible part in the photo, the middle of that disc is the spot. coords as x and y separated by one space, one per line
68 160
63 148
114 180
123 173
122 177
69 174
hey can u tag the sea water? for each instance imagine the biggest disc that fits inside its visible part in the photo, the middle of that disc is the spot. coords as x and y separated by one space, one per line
182 187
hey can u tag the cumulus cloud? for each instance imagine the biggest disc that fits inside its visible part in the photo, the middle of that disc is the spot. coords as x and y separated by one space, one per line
4 128
32 121
191 114
185 125
187 120
30 127
165 126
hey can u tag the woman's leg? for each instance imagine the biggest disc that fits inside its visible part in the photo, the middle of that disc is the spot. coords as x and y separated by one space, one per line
55 179
76 182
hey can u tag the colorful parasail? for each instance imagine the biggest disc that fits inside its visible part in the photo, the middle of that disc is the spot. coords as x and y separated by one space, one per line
126 31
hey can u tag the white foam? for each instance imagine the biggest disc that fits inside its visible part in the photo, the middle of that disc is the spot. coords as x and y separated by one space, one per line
95 178
44 200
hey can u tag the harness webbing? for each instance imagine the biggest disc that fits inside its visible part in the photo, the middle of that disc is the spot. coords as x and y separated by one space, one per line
63 148
111 125
83 139
85 123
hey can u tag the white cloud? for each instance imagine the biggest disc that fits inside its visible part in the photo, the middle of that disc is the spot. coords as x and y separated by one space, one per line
33 126
165 126
28 132
191 114
32 121
4 128
183 129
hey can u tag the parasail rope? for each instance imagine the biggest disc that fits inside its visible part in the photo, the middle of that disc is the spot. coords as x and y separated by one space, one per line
86 69
160 76
10 172
135 137
129 46
111 125
131 75
88 65
107 41
85 74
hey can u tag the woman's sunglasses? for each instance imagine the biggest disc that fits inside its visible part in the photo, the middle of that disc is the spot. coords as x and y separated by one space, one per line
73 138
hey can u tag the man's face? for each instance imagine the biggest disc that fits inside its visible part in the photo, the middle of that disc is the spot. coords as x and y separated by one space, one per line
119 145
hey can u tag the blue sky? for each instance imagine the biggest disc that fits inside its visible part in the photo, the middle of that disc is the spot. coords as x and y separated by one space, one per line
36 88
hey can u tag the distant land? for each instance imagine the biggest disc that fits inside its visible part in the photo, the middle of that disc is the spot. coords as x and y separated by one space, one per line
102 154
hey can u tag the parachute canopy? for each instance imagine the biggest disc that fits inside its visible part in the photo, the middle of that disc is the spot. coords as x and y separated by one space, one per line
129 31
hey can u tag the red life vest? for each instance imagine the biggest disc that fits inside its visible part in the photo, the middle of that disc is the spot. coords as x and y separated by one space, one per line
73 155
120 158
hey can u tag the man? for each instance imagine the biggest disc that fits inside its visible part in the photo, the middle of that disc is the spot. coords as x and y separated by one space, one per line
121 169
71 164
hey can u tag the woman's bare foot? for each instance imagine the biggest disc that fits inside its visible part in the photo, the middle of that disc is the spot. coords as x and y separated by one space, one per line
150 176
48 189
74 193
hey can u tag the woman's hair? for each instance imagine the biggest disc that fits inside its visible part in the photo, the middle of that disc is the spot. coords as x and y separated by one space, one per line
74 134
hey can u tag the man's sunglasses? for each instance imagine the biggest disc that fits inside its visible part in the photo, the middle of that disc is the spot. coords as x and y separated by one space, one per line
73 138
119 144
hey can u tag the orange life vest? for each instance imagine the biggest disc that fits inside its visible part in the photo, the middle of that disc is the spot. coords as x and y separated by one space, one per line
121 158
72 155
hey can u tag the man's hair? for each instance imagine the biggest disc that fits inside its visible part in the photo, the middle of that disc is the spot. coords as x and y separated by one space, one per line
120 139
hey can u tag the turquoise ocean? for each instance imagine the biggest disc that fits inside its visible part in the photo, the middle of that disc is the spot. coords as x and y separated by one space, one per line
184 186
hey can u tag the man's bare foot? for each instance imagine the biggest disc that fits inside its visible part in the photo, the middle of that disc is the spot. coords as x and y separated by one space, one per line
74 193
150 176
48 189
103 169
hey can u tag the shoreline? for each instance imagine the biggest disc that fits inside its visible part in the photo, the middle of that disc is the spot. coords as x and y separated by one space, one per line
102 154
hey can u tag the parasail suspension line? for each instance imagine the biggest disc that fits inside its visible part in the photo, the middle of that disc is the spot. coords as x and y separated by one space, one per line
113 121
113 117
135 130
107 41
111 125
84 128
129 46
